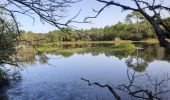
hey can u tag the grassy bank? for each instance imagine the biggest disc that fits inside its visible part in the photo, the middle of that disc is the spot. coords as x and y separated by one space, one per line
127 46
85 42
149 41
119 45
99 42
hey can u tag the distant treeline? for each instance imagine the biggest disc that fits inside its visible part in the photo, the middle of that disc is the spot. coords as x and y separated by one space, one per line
136 31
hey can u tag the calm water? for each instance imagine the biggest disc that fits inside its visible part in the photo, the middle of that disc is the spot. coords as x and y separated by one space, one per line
59 77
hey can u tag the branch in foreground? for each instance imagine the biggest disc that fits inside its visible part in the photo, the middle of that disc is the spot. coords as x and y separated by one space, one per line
150 92
117 97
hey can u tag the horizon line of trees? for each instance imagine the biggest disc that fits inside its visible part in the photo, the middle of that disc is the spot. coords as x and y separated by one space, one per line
128 30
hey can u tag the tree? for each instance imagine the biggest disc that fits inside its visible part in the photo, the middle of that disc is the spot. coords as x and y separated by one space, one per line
137 16
8 40
146 8
49 11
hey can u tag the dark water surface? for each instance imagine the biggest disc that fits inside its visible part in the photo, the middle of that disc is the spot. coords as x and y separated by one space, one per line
59 77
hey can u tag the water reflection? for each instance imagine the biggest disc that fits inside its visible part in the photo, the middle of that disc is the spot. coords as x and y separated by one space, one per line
43 59
7 76
152 89
99 63
136 59
136 62
26 58
149 52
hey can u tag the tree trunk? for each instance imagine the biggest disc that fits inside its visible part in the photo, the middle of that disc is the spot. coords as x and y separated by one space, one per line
161 36
159 32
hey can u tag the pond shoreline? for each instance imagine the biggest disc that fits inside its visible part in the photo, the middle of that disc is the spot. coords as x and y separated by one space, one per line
57 75
127 44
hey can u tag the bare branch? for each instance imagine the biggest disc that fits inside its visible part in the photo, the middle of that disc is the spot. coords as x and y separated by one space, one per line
117 97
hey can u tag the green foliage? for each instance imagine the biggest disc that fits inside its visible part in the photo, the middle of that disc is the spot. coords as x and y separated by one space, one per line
135 31
125 47
8 42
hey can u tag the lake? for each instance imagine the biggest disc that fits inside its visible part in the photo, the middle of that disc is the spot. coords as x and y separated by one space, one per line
57 75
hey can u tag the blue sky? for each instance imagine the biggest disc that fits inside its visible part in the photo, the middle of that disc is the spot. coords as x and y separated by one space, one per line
109 16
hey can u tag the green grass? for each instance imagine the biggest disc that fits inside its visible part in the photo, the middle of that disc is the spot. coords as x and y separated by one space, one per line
71 50
150 41
97 42
125 47
95 49
121 45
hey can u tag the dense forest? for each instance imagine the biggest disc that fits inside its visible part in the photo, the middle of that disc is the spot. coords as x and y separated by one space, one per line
134 28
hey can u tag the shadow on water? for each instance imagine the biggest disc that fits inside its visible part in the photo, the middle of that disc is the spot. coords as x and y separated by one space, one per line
8 76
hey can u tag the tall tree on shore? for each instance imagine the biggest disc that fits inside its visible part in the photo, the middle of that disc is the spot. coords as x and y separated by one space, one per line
151 10
137 17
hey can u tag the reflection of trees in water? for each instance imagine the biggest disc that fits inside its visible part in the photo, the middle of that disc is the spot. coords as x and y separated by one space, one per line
26 58
152 52
7 76
136 59
137 63
70 46
29 58
151 89
3 96
43 59
149 52
66 54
